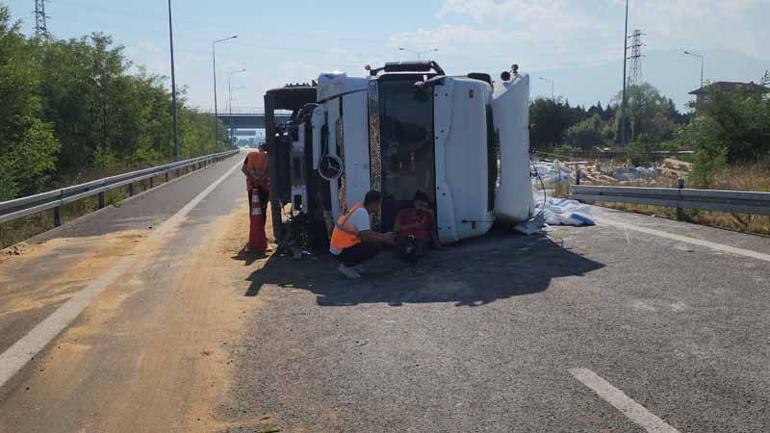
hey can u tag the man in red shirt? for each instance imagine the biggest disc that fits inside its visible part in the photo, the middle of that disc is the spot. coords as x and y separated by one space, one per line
416 228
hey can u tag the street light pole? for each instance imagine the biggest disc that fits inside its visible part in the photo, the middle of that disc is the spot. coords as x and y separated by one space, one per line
548 80
214 62
173 85
702 62
230 100
419 53
623 134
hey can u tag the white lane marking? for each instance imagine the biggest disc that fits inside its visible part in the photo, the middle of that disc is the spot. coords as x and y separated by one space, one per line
686 239
16 356
625 404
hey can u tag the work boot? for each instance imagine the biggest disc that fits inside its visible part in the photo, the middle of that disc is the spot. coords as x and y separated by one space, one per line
350 273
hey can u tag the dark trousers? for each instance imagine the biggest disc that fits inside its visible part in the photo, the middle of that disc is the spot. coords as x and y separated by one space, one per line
358 254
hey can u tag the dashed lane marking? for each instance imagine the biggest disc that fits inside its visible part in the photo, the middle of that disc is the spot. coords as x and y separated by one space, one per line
625 404
18 355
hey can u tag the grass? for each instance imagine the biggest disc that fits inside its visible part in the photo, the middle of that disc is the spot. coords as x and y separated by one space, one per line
752 177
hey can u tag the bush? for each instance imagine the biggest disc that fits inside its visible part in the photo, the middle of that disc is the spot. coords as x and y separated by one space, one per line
587 134
642 150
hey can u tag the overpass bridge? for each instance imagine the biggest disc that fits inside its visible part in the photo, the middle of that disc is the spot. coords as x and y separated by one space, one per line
249 118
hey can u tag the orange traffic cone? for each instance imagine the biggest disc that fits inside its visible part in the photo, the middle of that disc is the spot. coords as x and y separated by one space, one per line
257 239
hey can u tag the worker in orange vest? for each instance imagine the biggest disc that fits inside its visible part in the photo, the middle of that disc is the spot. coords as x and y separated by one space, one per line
257 172
353 240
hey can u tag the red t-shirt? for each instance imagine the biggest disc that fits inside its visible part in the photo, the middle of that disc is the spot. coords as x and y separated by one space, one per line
418 222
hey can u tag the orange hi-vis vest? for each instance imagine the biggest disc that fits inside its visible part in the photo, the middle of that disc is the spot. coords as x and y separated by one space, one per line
257 162
344 235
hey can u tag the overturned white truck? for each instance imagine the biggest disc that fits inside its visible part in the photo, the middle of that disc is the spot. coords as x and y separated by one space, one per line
406 127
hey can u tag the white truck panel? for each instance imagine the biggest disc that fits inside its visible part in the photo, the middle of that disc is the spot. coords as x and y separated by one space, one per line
514 201
462 203
356 141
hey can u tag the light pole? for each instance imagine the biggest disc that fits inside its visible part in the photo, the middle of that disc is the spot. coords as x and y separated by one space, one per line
214 61
548 80
623 137
702 62
419 53
173 84
230 100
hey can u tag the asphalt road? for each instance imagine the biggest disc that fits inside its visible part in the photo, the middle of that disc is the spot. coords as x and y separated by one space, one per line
651 326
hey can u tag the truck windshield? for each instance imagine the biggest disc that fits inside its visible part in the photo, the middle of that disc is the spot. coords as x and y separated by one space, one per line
407 149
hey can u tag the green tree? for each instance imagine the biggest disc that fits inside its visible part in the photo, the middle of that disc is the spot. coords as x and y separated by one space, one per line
549 120
730 127
649 113
72 109
587 134
27 145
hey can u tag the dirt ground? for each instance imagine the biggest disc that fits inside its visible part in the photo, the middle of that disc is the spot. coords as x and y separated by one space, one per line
152 353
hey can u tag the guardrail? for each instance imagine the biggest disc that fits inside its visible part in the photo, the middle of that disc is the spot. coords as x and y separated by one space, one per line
748 202
20 207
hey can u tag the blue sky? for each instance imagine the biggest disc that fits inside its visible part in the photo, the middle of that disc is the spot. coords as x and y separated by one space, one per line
577 41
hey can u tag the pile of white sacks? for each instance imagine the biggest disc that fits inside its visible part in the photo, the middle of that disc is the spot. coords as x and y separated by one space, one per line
552 172
563 211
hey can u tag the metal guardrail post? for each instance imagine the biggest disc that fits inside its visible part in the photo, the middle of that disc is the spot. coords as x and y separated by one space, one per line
679 210
152 182
166 175
101 200
57 211
130 189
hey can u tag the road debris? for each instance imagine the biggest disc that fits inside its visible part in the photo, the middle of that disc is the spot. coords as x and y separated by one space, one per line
562 211
610 172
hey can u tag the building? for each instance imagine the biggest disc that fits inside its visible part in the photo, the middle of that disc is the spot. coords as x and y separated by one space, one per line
701 95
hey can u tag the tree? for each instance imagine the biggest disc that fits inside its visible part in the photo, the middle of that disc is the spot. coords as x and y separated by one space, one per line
550 120
27 145
587 134
649 113
595 110
71 110
730 127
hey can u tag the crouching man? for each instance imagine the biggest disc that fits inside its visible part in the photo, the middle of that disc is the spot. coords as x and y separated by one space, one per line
353 241
416 229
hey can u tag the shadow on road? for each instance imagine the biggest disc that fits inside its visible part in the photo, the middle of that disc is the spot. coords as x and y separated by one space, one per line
473 273
248 258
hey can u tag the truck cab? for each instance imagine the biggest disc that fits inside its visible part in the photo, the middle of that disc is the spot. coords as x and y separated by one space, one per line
408 127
